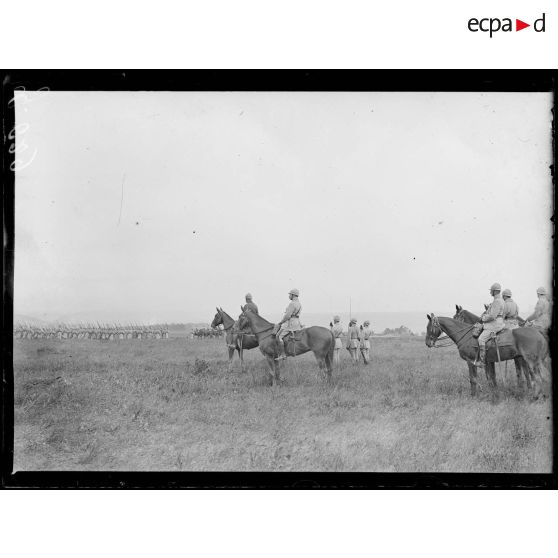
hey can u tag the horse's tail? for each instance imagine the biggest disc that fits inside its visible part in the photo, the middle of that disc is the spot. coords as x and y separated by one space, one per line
331 348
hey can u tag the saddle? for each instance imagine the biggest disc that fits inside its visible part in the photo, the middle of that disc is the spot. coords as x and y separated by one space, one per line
293 336
504 338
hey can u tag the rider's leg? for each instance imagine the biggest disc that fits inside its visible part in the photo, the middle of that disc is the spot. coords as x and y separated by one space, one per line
281 344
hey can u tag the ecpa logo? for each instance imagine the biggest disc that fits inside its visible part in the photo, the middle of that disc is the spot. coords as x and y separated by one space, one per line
494 24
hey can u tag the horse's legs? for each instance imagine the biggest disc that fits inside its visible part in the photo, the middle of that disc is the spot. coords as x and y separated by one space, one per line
241 357
231 356
491 374
527 373
329 366
472 378
538 377
518 371
322 366
272 369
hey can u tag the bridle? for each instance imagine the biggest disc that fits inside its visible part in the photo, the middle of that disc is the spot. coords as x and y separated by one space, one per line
447 340
223 323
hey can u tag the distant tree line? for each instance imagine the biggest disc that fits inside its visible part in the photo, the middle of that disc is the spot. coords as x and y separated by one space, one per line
401 330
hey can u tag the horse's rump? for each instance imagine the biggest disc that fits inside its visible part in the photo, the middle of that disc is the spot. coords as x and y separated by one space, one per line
314 338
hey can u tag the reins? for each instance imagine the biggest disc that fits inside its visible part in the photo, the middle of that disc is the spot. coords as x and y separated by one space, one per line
467 329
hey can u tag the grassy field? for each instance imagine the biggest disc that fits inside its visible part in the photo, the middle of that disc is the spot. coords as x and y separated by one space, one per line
171 405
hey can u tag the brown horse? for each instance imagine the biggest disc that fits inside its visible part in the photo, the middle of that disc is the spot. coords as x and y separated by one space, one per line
242 340
525 342
317 339
462 315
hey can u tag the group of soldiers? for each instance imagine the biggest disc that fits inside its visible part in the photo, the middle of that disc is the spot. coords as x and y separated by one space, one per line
205 332
358 339
82 331
503 313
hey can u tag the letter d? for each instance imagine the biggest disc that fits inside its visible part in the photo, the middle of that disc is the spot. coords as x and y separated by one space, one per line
541 30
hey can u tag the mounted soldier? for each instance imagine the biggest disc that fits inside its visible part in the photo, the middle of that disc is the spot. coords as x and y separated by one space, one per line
236 332
365 333
353 340
337 330
289 323
492 321
511 310
250 304
541 317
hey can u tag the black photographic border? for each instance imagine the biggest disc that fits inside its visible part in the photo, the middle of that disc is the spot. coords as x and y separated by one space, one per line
245 80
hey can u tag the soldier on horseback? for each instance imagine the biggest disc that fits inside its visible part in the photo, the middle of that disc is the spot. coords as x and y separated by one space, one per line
511 310
492 320
250 304
290 322
540 318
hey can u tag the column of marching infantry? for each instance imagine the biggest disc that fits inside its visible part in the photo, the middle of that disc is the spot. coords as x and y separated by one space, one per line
102 332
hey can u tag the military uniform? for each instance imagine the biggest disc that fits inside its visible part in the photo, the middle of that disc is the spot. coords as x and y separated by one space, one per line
541 317
353 340
493 321
337 330
511 311
365 334
250 306
290 321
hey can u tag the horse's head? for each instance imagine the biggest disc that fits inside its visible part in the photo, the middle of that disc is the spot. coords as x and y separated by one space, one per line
218 319
433 330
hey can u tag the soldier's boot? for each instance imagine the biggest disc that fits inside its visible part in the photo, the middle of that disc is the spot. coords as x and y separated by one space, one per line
481 358
281 349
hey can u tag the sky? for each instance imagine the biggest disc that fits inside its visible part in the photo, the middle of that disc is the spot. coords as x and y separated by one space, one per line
159 206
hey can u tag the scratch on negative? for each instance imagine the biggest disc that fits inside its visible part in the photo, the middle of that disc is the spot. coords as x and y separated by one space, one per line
121 199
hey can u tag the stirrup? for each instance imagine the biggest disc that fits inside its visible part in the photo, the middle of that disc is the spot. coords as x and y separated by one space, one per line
281 357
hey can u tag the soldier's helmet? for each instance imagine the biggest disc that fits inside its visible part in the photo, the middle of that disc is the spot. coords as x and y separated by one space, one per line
541 291
248 296
506 292
353 321
496 287
294 292
336 319
366 322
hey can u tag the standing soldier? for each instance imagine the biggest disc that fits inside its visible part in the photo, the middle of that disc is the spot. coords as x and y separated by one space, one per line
289 322
353 341
250 305
540 318
511 311
337 330
365 334
493 321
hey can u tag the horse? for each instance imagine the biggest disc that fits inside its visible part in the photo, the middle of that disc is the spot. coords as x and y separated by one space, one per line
469 318
462 315
525 342
317 339
240 339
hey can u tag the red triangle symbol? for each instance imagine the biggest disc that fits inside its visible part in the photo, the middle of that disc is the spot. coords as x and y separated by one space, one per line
519 25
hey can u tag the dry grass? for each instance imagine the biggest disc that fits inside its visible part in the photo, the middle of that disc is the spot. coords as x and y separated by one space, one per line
171 405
